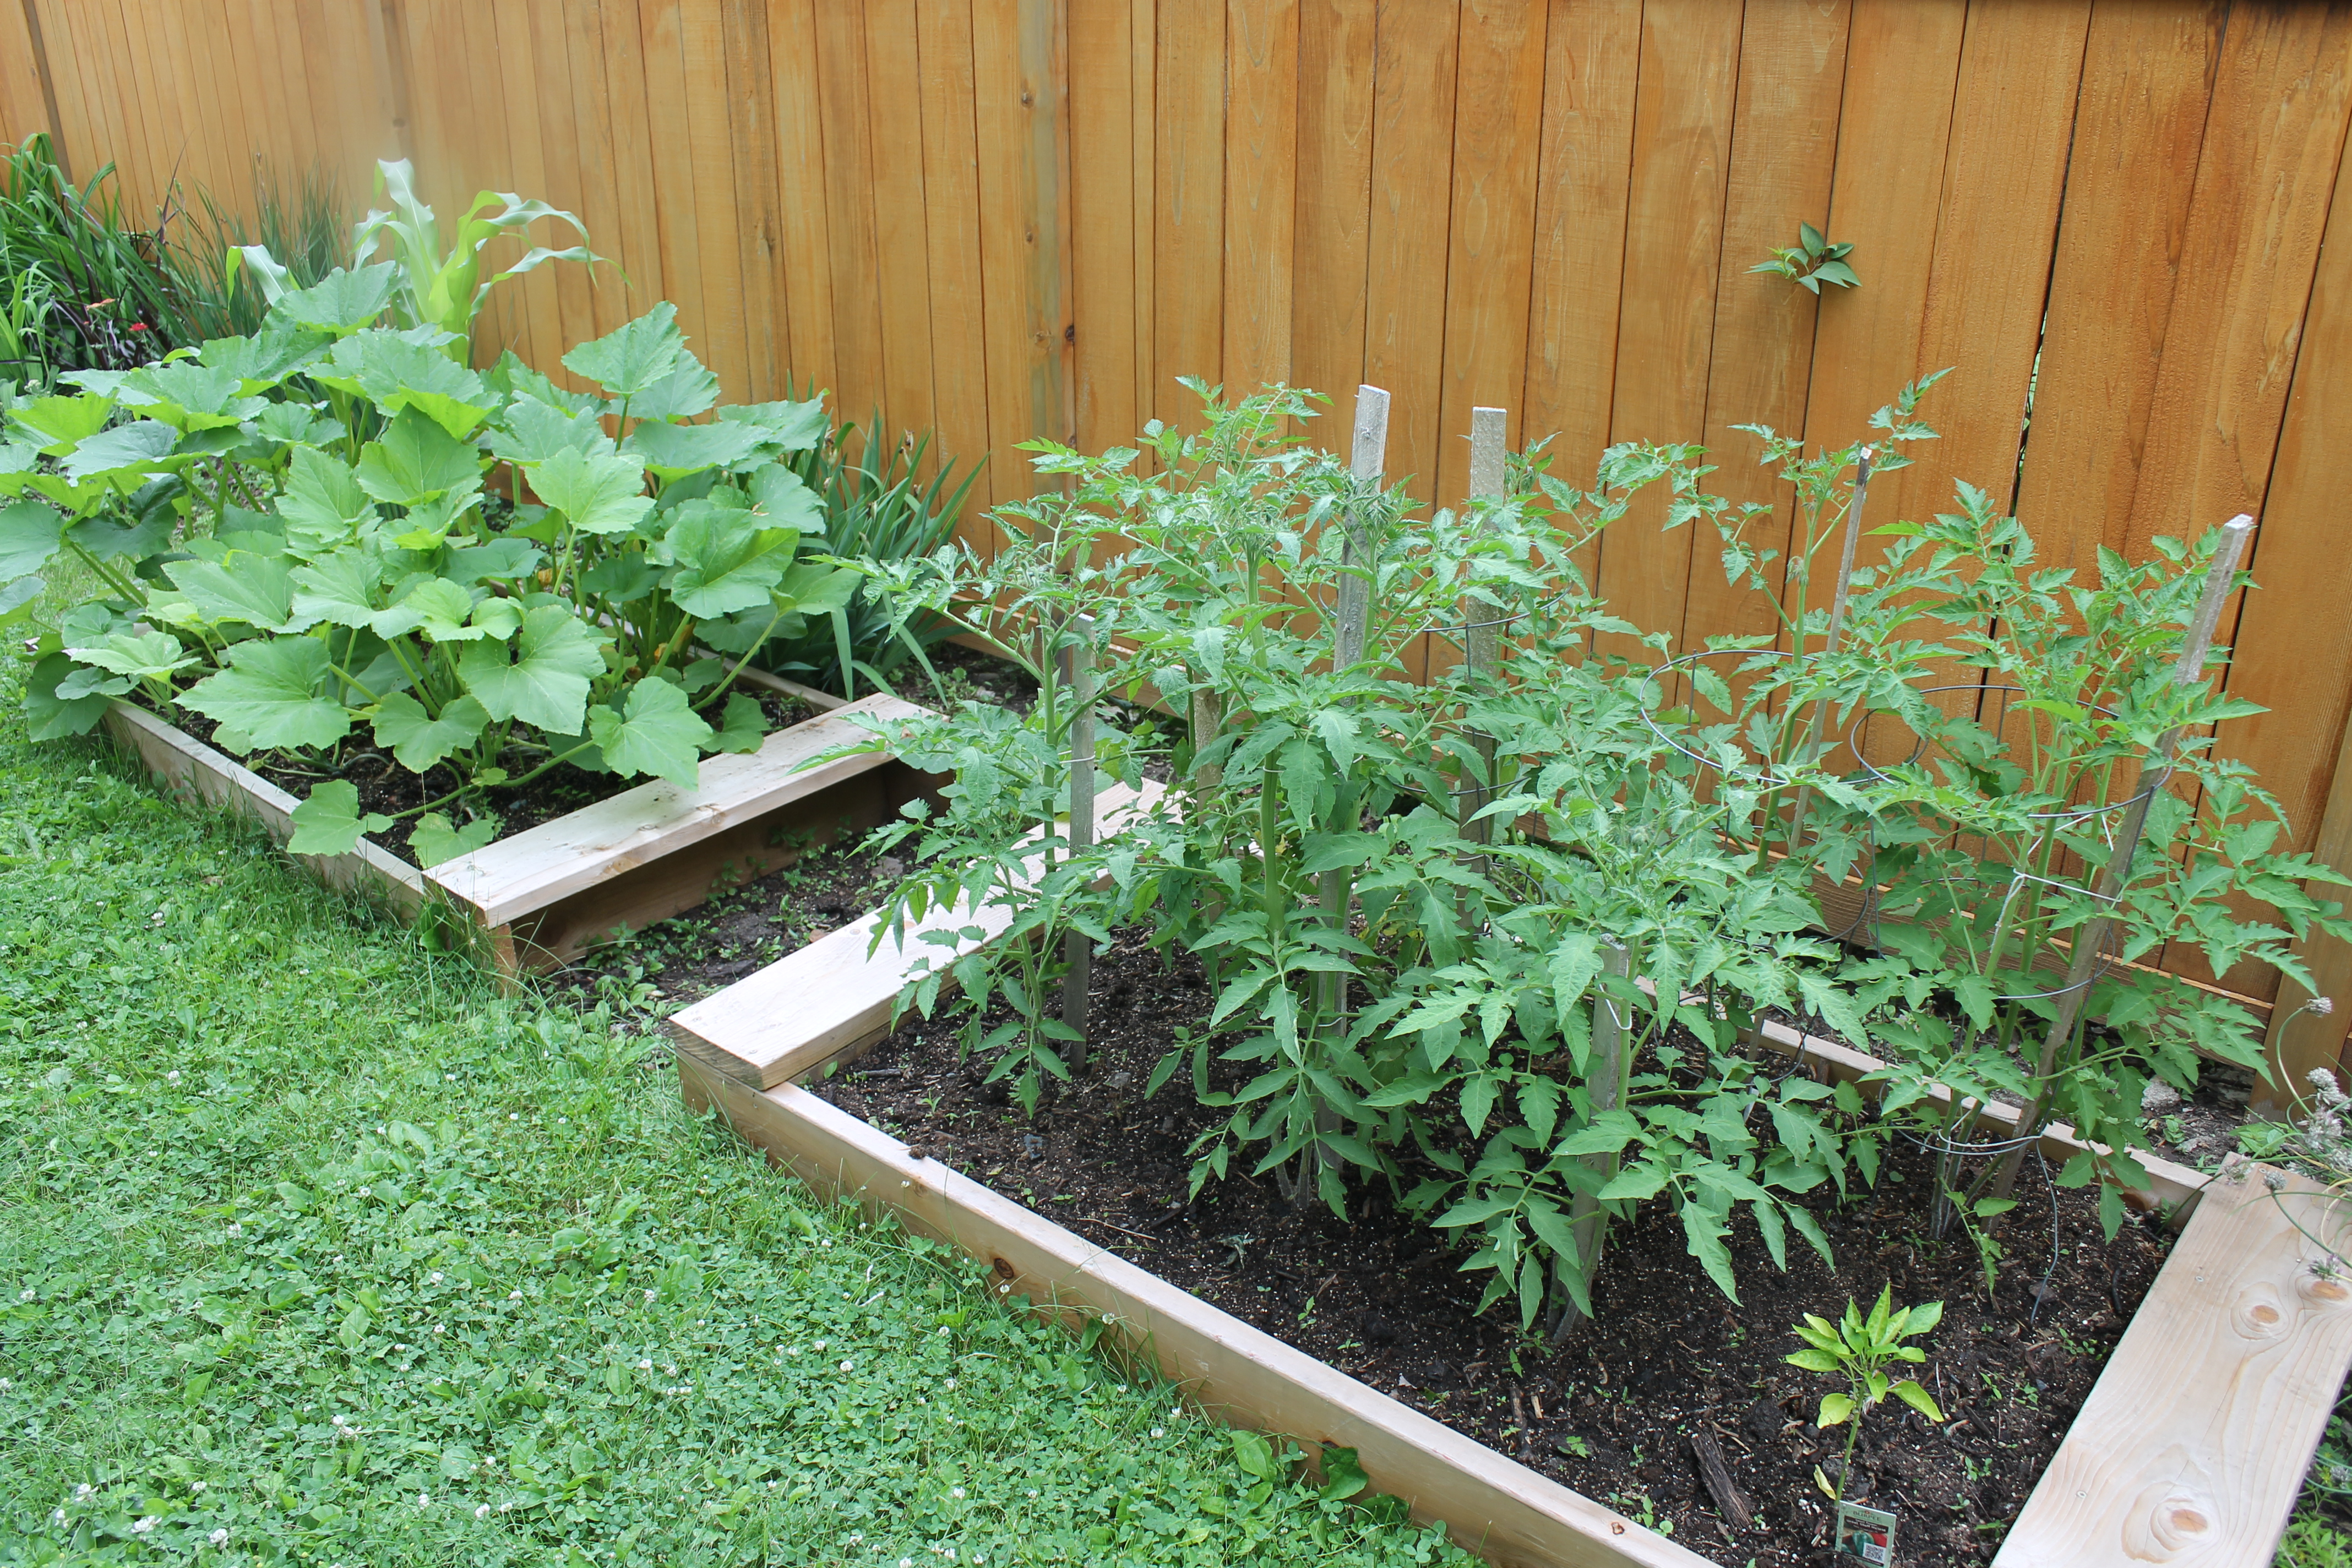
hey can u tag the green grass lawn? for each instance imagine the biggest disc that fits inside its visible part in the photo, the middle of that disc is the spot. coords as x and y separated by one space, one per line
314 1250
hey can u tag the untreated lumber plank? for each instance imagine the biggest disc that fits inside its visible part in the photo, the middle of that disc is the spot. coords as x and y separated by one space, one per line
2170 1186
2194 1441
840 991
190 766
512 877
1493 1505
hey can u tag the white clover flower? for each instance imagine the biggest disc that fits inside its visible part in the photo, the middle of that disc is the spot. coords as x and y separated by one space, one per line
141 1527
2323 1006
218 1537
645 1366
820 1347
951 1382
514 1116
1160 1432
425 1499
60 1516
199 1486
955 1492
482 1510
848 1366
173 1075
5 1385
434 1278
26 1294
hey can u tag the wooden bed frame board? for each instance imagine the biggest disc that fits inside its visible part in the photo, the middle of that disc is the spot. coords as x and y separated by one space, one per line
2172 1188
190 768
550 892
1491 1505
2193 1444
839 994
503 881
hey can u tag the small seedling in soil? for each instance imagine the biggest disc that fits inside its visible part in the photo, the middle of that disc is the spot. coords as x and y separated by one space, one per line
1859 1349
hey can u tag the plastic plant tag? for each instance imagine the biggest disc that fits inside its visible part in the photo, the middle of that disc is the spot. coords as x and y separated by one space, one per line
1865 1534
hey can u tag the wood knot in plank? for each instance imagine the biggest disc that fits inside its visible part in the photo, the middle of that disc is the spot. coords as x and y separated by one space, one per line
2167 1519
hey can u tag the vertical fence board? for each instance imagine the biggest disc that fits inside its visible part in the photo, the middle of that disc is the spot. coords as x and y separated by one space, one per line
1143 79
1021 79
724 321
1188 214
2272 140
1593 57
637 214
74 135
849 206
1412 173
1674 229
1497 147
24 105
1903 58
951 229
672 154
901 245
2147 77
1103 213
521 74
1783 148
1261 191
2012 116
1332 236
596 116
560 159
805 234
758 223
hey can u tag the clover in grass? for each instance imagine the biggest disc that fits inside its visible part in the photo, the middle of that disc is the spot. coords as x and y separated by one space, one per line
1858 1350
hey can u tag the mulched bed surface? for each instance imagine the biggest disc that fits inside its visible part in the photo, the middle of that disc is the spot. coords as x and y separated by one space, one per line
1612 1412
384 786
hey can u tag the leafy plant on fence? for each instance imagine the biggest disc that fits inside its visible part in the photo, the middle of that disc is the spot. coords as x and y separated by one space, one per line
258 562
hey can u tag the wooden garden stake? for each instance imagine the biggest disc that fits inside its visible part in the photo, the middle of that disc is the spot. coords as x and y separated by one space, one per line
1481 634
1368 461
2115 875
1608 1073
1350 629
1078 948
1864 462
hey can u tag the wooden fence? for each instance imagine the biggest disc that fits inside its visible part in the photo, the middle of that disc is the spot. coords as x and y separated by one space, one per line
1011 218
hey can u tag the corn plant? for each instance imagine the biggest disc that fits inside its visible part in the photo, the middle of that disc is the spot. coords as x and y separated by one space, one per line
431 285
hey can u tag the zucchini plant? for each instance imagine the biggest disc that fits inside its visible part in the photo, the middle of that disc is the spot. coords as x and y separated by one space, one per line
297 535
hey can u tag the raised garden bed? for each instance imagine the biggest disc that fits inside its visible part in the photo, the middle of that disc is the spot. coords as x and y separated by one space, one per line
2190 1462
638 855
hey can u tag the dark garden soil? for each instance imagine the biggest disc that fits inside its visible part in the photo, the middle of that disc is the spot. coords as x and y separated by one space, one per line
1668 1360
687 957
970 672
384 786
